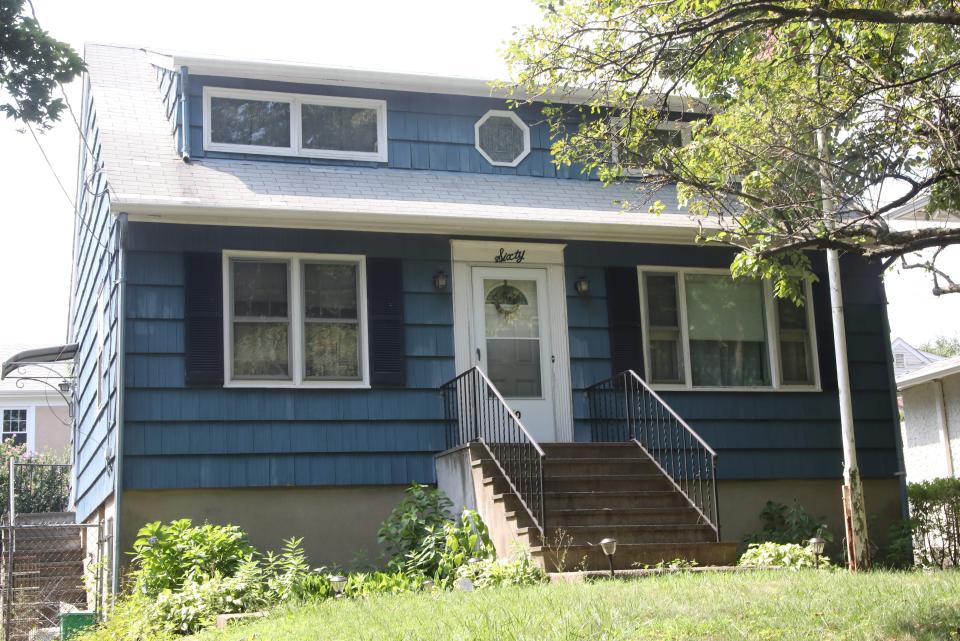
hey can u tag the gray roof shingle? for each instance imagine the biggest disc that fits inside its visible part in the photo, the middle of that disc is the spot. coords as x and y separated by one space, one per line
145 173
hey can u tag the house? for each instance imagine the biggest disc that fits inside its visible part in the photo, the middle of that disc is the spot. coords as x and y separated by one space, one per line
907 358
286 275
931 426
33 410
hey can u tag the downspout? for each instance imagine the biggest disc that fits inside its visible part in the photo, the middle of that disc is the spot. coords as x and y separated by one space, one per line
121 387
901 472
944 427
184 115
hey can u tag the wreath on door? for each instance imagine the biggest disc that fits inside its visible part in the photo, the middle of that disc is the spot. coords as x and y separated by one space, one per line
506 299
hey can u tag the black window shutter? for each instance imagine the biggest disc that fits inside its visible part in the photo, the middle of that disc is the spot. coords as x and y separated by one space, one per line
203 312
385 329
823 321
623 318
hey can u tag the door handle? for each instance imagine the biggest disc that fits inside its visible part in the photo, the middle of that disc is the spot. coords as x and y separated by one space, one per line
478 354
517 414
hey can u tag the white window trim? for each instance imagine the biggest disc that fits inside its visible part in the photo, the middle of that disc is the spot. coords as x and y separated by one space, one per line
296 133
31 424
296 319
502 113
686 137
771 326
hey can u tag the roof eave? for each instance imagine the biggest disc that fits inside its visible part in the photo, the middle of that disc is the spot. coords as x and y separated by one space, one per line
652 228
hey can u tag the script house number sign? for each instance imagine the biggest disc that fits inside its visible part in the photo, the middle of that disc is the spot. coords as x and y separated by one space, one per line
516 256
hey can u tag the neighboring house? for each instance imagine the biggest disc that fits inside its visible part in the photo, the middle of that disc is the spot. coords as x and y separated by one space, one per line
907 358
32 411
280 265
931 426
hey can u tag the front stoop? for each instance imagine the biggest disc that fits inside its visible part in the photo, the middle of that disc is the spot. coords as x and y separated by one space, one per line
593 491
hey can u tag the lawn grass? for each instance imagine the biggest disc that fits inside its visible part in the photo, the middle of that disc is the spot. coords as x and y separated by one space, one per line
755 606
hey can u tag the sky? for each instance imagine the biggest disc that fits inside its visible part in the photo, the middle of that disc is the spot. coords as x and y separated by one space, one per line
447 37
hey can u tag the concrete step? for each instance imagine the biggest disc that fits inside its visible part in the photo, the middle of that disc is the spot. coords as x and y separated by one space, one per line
576 466
593 450
619 516
586 534
613 499
634 555
607 483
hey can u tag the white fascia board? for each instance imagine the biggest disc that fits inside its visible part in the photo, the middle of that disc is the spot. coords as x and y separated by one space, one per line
934 371
655 229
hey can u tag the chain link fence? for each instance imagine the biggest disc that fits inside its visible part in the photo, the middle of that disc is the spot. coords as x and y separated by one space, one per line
48 563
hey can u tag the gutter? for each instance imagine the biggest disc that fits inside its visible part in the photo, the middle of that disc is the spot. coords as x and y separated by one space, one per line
184 115
121 286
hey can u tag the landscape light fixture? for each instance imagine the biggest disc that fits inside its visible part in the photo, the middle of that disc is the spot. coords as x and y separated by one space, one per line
609 547
440 280
582 285
816 546
338 582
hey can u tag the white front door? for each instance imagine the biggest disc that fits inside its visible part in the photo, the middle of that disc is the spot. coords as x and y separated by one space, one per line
511 313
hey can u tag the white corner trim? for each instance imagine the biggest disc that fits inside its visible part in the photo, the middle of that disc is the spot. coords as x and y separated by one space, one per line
296 102
524 128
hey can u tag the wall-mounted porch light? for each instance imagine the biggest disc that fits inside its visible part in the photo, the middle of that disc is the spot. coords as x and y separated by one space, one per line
582 286
440 280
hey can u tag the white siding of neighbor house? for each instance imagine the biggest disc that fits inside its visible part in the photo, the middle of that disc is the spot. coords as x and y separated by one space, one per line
923 448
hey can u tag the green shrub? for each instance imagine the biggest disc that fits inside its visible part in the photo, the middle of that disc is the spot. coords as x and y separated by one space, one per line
42 487
780 555
935 519
128 620
447 547
167 555
422 510
898 553
363 584
494 573
793 524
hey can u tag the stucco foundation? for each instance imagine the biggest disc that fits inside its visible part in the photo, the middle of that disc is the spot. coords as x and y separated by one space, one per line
742 501
338 524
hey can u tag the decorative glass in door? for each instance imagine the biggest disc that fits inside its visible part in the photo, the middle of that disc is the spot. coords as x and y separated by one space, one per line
512 336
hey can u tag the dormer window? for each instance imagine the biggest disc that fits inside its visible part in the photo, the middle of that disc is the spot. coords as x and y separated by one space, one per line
669 133
266 122
502 138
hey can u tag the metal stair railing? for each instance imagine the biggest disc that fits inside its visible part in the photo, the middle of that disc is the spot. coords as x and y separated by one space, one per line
476 412
625 408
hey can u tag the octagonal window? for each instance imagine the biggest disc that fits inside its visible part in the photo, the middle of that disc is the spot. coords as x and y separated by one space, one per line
502 138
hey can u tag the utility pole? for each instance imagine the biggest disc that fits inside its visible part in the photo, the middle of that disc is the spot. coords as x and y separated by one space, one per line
854 508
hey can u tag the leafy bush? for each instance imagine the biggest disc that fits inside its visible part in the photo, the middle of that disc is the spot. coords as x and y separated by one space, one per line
167 555
935 519
898 553
128 620
421 511
793 524
447 547
781 555
363 584
42 487
494 573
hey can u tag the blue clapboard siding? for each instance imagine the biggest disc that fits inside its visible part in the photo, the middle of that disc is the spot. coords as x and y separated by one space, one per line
180 437
425 131
95 267
756 434
191 437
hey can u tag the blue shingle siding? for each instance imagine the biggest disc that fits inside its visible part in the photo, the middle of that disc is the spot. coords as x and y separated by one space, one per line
177 437
180 437
95 266
757 434
425 131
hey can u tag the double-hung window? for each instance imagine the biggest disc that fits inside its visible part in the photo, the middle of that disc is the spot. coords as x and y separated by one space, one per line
703 329
295 319
267 122
15 425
